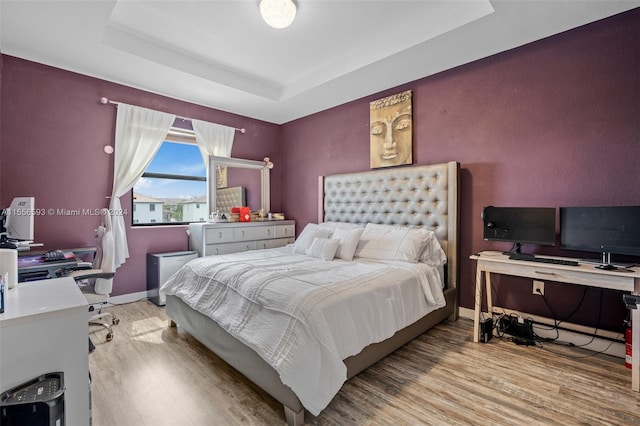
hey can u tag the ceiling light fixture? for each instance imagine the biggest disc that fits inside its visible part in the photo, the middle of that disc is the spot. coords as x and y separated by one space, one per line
278 13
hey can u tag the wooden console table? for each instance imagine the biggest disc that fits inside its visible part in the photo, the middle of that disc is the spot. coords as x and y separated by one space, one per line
584 274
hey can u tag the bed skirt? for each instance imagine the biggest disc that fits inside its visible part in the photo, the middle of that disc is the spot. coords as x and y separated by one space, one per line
250 364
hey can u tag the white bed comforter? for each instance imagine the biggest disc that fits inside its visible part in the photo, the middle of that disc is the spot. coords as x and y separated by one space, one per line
302 315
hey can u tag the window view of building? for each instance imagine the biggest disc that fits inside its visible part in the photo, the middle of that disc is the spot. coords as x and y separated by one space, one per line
147 209
195 210
173 187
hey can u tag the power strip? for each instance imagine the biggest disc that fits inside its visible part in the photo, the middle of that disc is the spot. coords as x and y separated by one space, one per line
517 327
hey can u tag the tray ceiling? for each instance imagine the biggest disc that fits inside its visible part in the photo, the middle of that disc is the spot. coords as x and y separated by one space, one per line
222 55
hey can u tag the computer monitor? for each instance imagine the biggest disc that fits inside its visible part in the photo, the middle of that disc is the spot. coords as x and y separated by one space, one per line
18 222
520 225
606 230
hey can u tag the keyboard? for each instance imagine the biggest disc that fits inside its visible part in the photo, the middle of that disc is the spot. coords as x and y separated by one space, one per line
530 258
53 256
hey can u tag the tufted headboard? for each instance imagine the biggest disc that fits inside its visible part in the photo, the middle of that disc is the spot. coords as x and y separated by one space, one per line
226 198
415 196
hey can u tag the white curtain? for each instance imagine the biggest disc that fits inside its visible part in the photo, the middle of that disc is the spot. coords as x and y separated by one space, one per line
139 134
213 139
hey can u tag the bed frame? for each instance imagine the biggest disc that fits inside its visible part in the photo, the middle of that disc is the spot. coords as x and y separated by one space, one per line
415 196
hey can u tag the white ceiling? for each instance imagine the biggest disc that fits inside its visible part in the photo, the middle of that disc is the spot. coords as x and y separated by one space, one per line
222 55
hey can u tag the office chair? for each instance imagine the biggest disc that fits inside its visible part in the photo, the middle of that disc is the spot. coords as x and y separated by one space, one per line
96 283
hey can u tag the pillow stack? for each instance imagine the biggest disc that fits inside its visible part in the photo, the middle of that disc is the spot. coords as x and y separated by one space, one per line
345 241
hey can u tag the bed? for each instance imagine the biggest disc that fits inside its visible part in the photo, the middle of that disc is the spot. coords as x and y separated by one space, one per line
419 197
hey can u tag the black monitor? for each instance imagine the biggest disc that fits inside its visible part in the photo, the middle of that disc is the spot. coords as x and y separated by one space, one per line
607 230
520 225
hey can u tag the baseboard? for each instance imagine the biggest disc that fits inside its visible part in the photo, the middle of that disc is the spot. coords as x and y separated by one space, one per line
566 334
128 298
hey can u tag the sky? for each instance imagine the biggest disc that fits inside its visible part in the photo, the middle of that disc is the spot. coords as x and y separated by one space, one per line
178 159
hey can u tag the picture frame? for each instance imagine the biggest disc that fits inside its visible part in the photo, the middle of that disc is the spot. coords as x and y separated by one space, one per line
391 130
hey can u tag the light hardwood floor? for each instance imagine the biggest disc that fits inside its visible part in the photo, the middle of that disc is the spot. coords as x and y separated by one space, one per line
154 375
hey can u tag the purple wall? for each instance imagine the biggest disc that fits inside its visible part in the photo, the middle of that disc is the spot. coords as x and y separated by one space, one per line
553 123
53 133
556 122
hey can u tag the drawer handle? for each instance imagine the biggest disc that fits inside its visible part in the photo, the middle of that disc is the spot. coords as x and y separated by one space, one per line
268 231
545 273
219 234
242 233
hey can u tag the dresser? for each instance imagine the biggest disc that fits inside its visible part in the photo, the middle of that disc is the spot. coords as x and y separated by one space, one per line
222 238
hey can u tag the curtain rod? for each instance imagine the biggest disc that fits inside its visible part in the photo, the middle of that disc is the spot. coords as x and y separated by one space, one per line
105 101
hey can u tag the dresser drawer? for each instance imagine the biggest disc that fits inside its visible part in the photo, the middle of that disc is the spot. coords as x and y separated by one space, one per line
218 235
278 242
285 231
223 238
217 249
254 233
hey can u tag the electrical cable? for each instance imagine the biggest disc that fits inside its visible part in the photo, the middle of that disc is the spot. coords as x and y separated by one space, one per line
593 336
556 321
592 354
584 294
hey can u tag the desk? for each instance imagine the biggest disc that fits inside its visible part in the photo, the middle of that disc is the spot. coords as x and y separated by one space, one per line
44 329
495 262
32 267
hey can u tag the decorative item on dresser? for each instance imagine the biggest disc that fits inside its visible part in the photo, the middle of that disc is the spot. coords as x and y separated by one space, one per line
379 208
223 238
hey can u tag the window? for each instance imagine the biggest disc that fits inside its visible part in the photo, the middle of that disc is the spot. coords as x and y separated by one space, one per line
173 185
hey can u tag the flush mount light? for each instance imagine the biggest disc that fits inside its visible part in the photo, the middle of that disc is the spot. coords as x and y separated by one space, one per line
278 13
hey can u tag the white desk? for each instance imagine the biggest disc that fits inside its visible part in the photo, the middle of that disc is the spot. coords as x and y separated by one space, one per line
495 262
44 329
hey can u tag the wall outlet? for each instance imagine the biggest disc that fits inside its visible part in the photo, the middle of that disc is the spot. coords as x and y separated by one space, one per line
538 287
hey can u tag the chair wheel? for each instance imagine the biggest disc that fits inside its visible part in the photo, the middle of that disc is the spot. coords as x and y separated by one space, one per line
109 337
115 321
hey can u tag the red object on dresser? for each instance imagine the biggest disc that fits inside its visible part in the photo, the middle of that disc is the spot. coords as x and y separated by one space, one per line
245 214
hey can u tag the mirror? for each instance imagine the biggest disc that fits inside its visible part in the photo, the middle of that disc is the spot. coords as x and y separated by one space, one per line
228 198
216 163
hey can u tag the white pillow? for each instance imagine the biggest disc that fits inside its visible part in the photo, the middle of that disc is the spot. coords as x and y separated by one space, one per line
388 242
433 254
304 241
332 226
349 238
323 248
